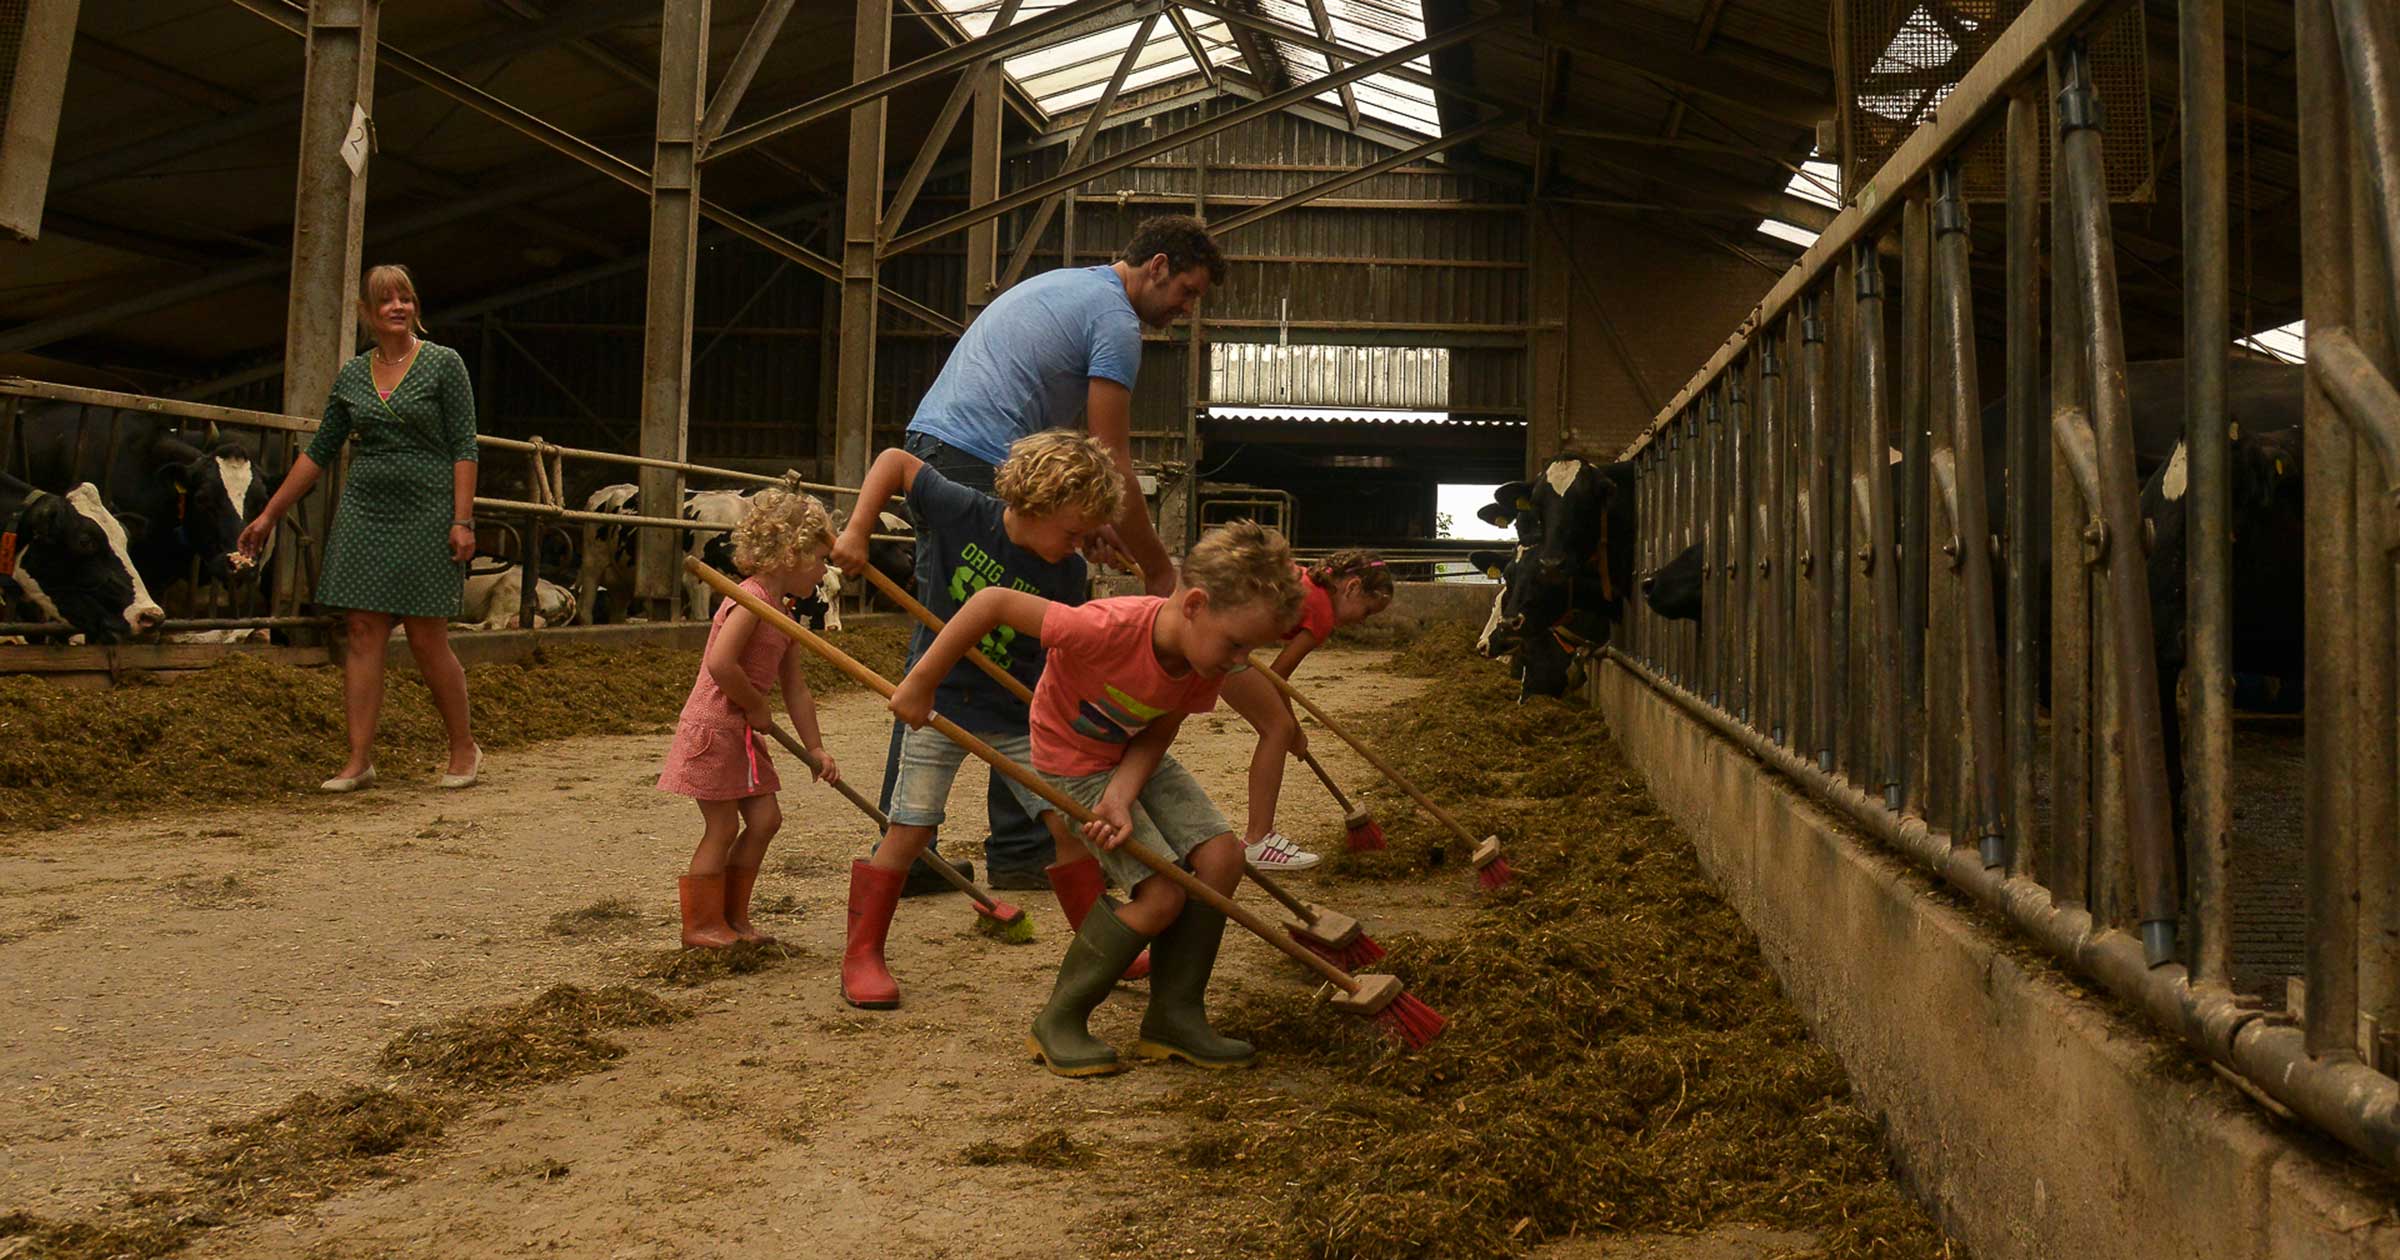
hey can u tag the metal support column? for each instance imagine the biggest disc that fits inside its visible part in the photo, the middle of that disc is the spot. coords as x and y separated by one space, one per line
854 413
667 313
2028 469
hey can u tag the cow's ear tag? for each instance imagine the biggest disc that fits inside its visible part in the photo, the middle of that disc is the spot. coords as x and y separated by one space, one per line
8 554
1492 572
1524 504
180 495
2279 468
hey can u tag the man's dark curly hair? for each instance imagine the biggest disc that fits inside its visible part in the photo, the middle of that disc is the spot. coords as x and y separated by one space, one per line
1182 238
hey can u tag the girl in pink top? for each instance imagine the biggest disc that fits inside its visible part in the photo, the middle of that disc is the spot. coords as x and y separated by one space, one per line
1119 678
719 758
1348 586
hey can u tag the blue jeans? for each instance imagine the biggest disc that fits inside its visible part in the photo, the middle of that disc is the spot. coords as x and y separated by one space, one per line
1019 841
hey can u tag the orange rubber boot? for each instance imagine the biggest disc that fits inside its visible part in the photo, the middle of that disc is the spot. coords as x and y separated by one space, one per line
739 881
874 894
1078 885
703 898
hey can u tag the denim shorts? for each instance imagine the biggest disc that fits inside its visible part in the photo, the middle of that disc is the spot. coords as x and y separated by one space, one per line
1172 817
929 765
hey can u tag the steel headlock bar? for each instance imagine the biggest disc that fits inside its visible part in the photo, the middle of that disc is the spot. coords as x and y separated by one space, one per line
2133 660
1712 545
1739 584
1978 641
1819 563
1876 557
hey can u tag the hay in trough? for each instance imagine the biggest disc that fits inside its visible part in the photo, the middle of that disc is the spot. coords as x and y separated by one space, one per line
552 1036
1047 1148
1619 1057
246 729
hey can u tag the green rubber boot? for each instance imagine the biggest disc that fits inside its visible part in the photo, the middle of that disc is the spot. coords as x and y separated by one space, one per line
1176 1024
1099 954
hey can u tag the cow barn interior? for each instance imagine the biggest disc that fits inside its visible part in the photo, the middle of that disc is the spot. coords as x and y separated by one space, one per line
1668 355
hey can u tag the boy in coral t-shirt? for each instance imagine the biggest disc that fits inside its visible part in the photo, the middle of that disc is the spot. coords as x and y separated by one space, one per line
1121 675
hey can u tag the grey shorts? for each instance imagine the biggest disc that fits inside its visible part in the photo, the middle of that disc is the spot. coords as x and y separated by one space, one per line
929 765
1172 817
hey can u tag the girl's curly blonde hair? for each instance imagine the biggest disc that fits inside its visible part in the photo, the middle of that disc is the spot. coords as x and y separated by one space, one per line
785 528
1243 564
1061 470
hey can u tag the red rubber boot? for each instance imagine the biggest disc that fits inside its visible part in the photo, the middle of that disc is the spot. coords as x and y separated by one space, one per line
1078 885
874 894
703 900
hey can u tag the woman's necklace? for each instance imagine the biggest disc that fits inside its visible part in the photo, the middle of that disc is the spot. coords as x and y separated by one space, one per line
379 358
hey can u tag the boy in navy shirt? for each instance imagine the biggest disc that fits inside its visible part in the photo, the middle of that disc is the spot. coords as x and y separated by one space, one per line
1056 488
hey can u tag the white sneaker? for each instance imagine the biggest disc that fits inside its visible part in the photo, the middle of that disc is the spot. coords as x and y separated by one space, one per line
1274 853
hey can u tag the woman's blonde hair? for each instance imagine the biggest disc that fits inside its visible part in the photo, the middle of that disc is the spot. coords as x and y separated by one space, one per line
384 280
785 528
1060 470
1243 564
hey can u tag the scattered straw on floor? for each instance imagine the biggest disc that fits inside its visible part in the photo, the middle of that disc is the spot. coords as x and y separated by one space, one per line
691 968
1047 1148
1618 1058
246 729
554 1035
313 1146
609 914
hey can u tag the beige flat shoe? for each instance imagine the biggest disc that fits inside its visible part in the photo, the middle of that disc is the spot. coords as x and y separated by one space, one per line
349 783
466 780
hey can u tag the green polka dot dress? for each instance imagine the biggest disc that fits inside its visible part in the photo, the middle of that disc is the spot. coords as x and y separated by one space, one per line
390 551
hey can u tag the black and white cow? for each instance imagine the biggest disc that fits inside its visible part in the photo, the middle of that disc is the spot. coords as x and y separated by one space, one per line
182 501
492 598
1565 586
66 555
605 568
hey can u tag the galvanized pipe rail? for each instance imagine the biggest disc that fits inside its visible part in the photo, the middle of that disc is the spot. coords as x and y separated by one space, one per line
1852 632
547 482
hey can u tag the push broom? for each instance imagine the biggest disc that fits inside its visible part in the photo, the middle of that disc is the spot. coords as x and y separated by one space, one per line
1365 834
994 916
1491 864
1379 997
1337 937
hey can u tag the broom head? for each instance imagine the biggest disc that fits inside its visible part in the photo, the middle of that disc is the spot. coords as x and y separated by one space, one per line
1491 865
1401 1016
1327 928
1366 835
1012 926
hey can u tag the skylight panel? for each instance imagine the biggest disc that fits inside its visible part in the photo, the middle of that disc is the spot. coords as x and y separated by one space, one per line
1783 231
2288 343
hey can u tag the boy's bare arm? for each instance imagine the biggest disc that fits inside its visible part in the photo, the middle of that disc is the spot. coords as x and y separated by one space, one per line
1142 755
893 472
990 608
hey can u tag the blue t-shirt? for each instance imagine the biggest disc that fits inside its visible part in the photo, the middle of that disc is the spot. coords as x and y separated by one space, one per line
964 535
1025 363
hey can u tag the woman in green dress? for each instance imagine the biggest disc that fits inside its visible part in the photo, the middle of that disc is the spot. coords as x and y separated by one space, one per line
405 528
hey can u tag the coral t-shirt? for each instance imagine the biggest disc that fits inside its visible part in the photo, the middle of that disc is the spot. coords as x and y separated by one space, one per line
1103 685
1316 610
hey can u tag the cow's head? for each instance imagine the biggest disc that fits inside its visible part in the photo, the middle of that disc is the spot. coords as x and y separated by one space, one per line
71 560
1505 627
1570 499
2266 470
1674 591
216 491
1553 656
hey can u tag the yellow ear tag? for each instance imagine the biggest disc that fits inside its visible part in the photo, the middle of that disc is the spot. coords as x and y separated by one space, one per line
1492 572
1524 504
2279 468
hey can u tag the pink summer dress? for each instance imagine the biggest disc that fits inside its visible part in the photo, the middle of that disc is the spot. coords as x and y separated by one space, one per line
716 757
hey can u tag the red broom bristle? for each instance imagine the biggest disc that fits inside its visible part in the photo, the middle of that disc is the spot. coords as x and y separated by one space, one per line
1411 1022
1361 953
1495 874
1367 837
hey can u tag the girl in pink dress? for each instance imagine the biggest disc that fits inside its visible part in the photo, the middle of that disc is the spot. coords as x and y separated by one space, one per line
719 757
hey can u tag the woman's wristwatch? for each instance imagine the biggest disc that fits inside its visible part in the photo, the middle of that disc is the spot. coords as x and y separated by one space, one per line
469 523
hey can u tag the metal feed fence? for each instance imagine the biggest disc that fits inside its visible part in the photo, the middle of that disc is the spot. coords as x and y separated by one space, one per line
524 520
1856 633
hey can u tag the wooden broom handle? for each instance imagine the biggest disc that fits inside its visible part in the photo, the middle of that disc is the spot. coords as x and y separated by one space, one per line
1285 685
882 822
1191 884
1016 687
1324 778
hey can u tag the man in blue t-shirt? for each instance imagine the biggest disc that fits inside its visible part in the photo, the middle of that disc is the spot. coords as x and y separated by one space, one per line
1064 341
